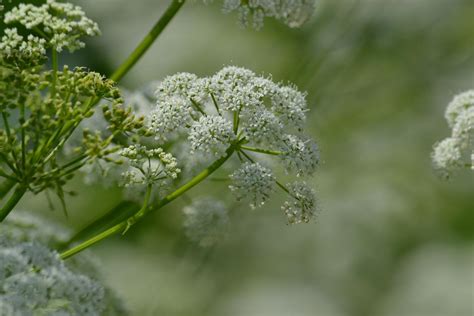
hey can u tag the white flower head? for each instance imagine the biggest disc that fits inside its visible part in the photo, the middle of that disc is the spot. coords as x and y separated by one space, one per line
290 106
447 156
149 166
261 126
184 85
13 44
293 13
62 23
252 182
170 117
37 280
233 88
211 134
302 206
24 226
453 153
463 129
206 221
34 278
259 108
300 155
235 108
458 105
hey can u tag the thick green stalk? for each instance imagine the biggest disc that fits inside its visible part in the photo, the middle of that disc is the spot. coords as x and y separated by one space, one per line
5 187
122 226
12 202
148 40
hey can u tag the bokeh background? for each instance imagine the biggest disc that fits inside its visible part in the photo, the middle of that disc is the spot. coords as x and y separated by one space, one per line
391 239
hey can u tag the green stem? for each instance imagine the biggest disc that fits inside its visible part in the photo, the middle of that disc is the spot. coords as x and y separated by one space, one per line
54 62
10 165
12 202
262 151
14 165
119 213
214 101
148 40
135 218
126 223
123 226
198 107
236 122
5 187
283 187
23 137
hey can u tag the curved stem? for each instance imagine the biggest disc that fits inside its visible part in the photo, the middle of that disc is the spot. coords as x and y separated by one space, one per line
12 202
262 151
170 197
148 40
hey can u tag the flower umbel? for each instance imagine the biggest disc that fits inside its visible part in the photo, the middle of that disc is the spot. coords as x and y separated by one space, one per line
302 206
34 278
455 153
206 221
61 24
293 13
237 108
253 182
148 166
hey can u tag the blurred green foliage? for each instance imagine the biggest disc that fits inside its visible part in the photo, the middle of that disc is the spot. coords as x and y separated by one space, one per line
392 238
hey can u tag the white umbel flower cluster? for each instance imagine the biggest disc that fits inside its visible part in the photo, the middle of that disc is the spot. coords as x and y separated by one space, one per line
148 166
293 13
12 44
253 182
235 108
23 226
34 279
456 152
62 24
211 134
300 155
206 221
234 99
302 206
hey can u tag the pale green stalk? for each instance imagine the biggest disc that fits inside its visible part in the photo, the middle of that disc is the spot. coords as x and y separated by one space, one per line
12 201
5 187
148 40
